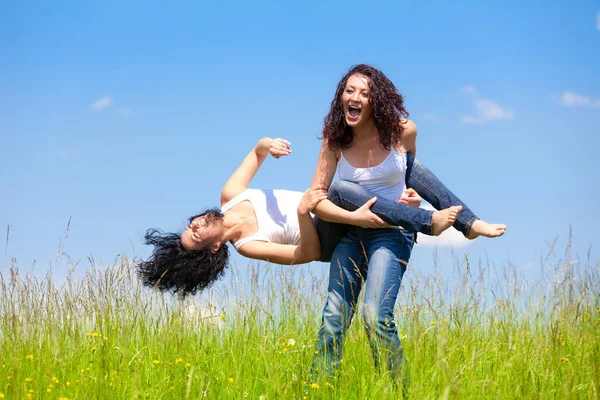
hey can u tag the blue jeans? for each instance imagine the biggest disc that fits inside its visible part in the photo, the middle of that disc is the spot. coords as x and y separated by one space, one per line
376 258
432 190
352 196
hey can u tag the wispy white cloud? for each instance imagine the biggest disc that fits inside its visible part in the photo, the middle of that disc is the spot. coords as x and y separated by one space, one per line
449 238
101 103
570 99
470 89
125 111
487 110
62 153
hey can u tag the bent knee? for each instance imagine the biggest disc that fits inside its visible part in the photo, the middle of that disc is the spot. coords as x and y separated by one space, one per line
340 187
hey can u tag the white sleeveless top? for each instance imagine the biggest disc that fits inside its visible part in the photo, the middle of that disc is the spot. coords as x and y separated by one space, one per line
276 214
387 179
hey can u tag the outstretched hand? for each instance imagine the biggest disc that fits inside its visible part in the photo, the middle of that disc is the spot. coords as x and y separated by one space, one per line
410 197
365 218
279 148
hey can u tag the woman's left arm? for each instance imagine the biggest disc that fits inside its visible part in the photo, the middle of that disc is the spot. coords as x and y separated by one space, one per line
240 179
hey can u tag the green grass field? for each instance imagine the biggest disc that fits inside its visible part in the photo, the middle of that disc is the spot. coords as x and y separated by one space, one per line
105 337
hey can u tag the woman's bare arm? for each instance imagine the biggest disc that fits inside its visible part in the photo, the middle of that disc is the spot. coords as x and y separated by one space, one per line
241 178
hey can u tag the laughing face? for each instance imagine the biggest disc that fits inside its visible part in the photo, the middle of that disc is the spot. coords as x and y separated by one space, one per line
201 233
356 101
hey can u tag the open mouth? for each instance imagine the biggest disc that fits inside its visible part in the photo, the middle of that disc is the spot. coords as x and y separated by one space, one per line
353 111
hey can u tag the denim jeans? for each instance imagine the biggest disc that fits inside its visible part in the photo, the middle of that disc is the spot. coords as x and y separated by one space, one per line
432 190
352 196
377 258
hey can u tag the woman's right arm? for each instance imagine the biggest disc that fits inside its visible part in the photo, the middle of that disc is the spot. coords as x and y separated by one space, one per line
328 211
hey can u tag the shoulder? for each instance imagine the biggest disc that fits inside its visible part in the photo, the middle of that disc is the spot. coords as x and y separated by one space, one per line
410 129
409 135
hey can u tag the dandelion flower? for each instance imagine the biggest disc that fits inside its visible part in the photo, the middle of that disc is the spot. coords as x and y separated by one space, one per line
291 342
432 322
178 360
29 357
155 362
314 385
1 395
230 380
222 316
28 380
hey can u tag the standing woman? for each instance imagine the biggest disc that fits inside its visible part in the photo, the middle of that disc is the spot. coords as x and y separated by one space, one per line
367 138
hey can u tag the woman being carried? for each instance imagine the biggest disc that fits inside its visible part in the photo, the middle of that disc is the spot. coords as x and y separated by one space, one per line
271 225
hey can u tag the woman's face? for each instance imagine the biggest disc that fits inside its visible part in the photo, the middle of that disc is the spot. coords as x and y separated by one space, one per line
355 99
201 233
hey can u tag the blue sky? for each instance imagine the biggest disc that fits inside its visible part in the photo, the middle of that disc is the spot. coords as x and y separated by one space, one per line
123 116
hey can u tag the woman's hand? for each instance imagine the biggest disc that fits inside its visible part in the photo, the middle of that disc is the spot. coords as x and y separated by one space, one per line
410 198
311 198
279 148
365 218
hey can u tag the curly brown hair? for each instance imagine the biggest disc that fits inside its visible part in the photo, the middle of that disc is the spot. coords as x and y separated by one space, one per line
388 110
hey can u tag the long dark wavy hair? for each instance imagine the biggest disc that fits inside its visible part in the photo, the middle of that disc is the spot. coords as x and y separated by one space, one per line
172 268
388 110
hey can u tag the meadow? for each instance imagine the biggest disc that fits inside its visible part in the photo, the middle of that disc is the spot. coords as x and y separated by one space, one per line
475 331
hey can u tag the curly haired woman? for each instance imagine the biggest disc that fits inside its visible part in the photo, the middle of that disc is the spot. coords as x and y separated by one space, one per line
369 140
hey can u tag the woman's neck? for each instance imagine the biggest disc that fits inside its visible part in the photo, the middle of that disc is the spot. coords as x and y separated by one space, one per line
366 132
232 226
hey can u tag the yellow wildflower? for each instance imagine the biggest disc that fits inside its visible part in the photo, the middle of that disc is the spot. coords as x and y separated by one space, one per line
93 348
95 334
178 360
30 395
1 395
230 380
314 385
68 383
55 379
175 321
29 357
28 380
222 316
432 322
156 362
105 337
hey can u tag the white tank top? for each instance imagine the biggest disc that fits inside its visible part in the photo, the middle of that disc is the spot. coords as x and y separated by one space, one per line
276 214
386 179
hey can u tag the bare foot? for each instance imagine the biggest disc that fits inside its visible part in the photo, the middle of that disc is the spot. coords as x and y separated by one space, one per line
444 219
482 228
